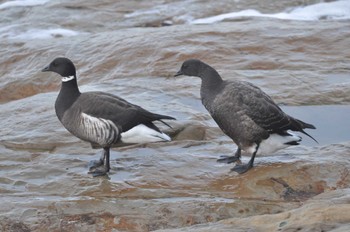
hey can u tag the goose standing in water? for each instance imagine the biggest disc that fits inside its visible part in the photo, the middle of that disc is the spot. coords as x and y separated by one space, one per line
244 113
101 118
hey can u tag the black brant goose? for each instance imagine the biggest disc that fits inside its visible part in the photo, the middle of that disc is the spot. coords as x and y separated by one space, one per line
101 118
245 113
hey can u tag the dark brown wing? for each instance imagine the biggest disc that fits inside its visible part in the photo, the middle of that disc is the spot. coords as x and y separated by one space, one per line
267 114
250 114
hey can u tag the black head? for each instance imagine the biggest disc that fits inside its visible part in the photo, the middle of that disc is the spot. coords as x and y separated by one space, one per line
191 67
62 66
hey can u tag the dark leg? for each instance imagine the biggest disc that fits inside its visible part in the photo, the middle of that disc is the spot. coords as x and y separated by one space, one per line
230 159
106 152
101 167
242 168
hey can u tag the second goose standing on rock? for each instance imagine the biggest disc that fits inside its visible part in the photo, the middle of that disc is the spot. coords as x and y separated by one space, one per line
101 118
245 113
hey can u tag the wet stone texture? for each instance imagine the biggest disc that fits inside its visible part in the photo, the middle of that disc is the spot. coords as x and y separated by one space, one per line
175 186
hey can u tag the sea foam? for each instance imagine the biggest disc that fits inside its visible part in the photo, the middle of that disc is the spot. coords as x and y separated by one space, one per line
337 10
46 33
13 33
17 3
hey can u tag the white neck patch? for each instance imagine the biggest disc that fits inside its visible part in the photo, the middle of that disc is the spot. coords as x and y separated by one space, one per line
69 78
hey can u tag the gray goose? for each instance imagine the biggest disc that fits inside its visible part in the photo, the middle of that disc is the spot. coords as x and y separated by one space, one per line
101 118
244 113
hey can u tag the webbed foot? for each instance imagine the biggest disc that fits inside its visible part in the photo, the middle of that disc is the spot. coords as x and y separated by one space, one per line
98 171
241 168
100 167
228 159
231 159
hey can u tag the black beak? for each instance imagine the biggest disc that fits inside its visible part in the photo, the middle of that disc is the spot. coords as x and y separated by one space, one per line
179 73
46 69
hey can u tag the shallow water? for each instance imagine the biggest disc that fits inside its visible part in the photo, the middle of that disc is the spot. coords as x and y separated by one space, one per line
331 122
122 48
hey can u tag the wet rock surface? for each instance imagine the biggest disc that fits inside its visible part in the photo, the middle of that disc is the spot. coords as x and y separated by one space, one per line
176 186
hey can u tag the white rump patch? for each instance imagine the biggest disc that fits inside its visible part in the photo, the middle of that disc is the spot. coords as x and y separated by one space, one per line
69 78
143 134
274 143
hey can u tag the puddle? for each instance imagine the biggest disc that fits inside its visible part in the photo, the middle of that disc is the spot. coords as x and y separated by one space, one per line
331 121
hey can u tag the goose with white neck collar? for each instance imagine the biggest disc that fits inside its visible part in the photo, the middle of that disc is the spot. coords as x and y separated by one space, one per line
102 118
